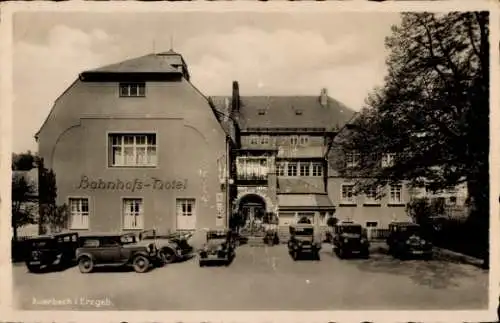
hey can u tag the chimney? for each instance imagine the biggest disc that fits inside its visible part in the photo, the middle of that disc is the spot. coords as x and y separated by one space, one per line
323 98
236 98
227 109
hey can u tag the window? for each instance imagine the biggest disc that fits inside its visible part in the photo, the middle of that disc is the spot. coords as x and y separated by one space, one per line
317 169
185 207
396 194
372 196
79 213
264 140
132 89
388 160
91 243
254 140
262 112
133 150
294 140
347 194
352 159
372 224
304 140
304 169
292 169
452 200
133 211
280 169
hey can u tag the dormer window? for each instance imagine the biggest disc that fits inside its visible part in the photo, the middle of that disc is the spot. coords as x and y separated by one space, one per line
254 140
132 89
264 140
304 140
262 112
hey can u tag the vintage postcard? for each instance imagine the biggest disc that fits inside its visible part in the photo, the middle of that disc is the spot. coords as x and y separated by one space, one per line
250 162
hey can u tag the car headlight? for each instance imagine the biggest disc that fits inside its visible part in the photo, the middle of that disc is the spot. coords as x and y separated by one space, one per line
299 243
423 242
346 240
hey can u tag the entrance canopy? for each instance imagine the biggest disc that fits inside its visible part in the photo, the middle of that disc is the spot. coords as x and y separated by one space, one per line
313 202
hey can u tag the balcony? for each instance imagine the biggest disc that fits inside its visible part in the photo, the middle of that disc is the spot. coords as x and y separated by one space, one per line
251 179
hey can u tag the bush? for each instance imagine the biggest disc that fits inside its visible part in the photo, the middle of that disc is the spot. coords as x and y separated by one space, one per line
419 210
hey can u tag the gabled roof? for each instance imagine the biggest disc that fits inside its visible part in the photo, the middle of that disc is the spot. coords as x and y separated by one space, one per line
288 112
152 63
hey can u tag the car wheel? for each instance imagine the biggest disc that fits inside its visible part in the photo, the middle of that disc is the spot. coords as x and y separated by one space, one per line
202 263
34 269
167 256
86 265
341 254
140 264
316 255
295 255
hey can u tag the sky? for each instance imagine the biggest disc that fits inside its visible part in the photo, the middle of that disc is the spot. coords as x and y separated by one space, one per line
267 53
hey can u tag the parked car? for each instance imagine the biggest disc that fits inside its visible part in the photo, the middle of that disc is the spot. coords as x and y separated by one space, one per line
98 250
271 237
303 240
218 247
406 239
171 247
349 240
55 251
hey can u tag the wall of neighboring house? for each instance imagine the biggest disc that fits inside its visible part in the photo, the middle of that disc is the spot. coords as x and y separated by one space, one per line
75 142
368 211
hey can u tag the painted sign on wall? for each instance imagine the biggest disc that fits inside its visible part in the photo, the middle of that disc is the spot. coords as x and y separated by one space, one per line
136 184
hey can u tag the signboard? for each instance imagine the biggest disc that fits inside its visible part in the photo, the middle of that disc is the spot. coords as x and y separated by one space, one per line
136 184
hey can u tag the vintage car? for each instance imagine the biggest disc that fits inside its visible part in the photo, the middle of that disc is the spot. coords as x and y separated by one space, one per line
406 239
219 247
55 251
108 249
349 240
171 247
303 240
271 236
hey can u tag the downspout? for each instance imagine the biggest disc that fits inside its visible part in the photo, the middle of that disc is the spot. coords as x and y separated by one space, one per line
226 183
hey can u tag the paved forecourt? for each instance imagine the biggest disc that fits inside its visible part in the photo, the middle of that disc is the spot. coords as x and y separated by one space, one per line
262 278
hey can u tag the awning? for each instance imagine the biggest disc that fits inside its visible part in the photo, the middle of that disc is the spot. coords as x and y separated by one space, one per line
313 202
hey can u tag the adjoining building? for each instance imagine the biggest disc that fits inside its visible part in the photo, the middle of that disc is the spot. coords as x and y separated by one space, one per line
285 162
135 145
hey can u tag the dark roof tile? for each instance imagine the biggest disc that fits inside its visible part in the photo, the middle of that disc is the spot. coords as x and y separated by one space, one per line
281 112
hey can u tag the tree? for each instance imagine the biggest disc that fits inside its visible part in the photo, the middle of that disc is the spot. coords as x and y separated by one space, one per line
47 197
432 113
23 202
24 161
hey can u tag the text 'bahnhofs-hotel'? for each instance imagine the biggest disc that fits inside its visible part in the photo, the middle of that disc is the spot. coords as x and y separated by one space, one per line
135 145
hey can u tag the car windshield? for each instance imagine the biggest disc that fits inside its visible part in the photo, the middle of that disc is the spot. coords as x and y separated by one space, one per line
410 229
126 239
304 231
216 235
353 229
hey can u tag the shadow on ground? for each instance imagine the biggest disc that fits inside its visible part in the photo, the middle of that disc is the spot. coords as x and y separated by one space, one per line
435 274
